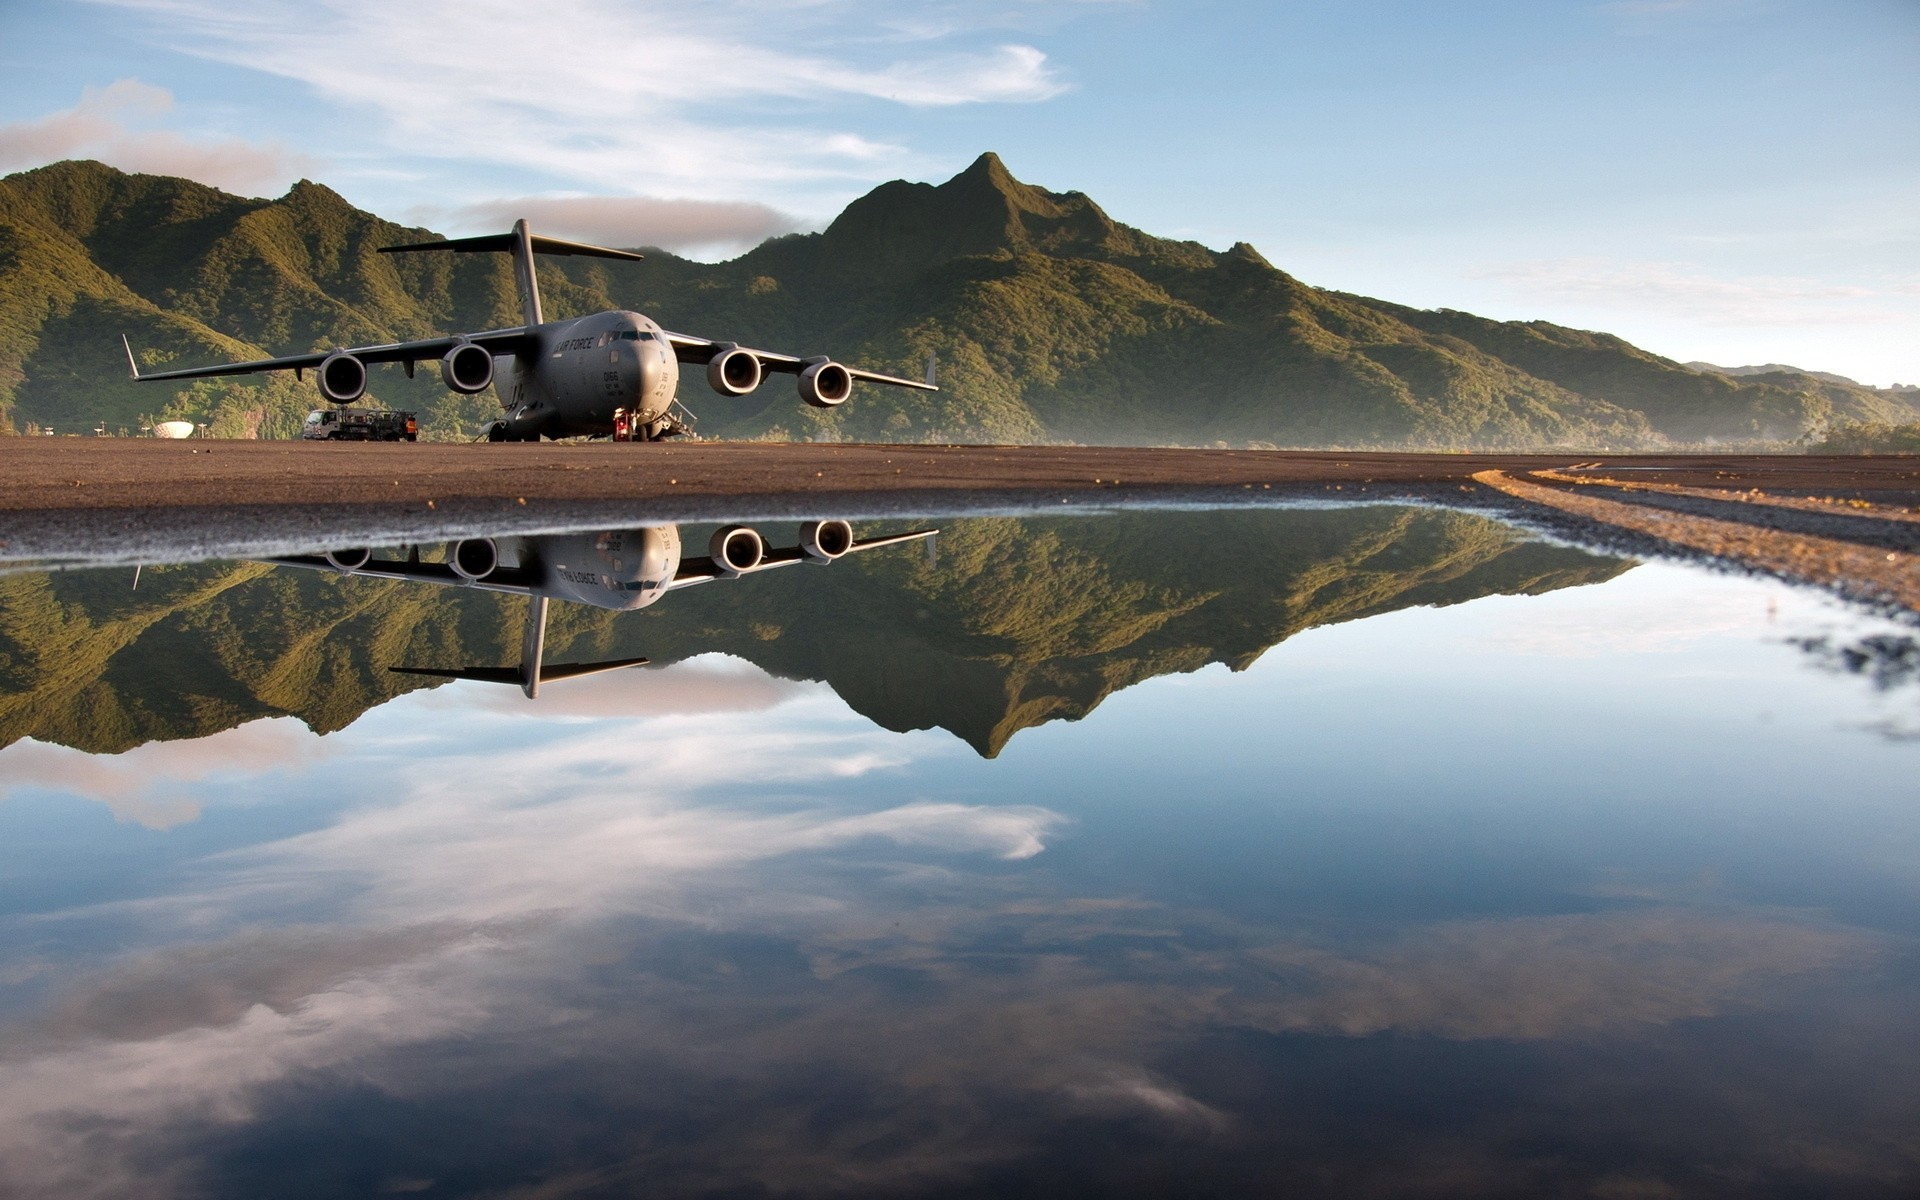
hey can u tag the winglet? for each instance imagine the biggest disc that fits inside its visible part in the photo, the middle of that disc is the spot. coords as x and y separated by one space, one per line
930 382
133 367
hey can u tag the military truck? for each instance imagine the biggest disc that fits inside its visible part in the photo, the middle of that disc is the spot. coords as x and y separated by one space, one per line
360 425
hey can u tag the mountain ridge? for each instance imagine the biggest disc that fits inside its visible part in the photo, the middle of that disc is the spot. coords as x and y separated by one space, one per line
1052 322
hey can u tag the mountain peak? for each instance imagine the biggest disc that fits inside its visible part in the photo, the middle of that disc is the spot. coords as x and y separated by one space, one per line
989 182
988 166
982 211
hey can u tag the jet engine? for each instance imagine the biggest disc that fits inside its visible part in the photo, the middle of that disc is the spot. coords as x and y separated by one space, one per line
342 377
825 384
349 561
467 369
736 549
824 541
473 559
734 372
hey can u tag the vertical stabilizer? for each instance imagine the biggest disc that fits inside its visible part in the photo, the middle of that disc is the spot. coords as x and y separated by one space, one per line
533 641
526 278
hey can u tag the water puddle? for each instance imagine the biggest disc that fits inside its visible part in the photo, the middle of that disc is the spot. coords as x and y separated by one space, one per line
1374 850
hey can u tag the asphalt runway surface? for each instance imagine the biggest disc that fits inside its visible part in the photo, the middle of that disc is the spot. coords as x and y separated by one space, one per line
98 500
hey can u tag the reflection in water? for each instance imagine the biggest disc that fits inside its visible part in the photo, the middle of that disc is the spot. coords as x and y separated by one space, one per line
1569 890
1890 660
1018 622
618 569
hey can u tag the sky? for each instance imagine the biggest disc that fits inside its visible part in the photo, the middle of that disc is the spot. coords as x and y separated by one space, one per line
1736 181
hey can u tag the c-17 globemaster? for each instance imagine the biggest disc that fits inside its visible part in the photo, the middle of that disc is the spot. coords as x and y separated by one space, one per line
583 377
621 569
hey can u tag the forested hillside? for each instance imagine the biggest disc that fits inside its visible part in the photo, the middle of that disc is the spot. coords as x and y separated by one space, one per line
1050 320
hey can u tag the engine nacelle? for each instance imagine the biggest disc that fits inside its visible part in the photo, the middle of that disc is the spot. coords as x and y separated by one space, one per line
348 561
342 377
826 384
824 541
736 549
467 369
734 372
473 559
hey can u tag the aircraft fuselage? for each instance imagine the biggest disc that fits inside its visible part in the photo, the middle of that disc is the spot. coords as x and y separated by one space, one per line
584 371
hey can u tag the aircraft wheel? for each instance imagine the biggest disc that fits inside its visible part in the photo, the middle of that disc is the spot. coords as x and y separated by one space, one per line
496 432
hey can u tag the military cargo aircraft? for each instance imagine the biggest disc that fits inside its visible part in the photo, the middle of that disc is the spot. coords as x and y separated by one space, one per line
609 374
622 569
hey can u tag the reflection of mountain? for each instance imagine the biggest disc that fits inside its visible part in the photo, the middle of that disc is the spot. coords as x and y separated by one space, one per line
1019 622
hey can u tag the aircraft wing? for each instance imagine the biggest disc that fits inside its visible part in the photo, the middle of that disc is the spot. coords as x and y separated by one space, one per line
704 570
515 581
698 350
498 341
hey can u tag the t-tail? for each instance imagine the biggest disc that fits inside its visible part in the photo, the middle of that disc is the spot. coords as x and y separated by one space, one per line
522 244
532 671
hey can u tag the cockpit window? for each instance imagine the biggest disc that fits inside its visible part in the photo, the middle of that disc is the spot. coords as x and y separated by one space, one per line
635 335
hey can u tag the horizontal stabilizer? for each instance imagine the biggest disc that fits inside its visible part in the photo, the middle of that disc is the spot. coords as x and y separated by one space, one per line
481 674
504 243
576 670
512 675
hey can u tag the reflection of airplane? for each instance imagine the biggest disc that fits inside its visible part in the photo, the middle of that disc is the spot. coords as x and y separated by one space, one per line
588 376
620 569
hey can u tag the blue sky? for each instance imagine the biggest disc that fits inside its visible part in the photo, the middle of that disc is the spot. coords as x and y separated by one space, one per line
1732 180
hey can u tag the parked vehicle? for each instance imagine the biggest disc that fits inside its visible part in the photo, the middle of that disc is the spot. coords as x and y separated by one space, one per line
360 425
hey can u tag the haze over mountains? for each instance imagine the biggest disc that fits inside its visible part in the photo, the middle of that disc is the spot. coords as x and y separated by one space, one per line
1051 322
1784 369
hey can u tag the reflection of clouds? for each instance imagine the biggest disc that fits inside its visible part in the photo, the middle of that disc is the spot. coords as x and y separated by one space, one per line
603 820
1553 977
143 784
575 913
61 1111
445 875
711 684
1129 1092
1580 633
215 984
966 1035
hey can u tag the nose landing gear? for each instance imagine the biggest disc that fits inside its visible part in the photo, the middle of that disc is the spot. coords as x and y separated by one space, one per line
675 422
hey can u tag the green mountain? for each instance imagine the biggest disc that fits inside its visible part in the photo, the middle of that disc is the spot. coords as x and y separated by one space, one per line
1018 622
1051 322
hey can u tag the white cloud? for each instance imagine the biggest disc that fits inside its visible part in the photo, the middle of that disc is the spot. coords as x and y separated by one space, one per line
705 100
683 226
110 124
